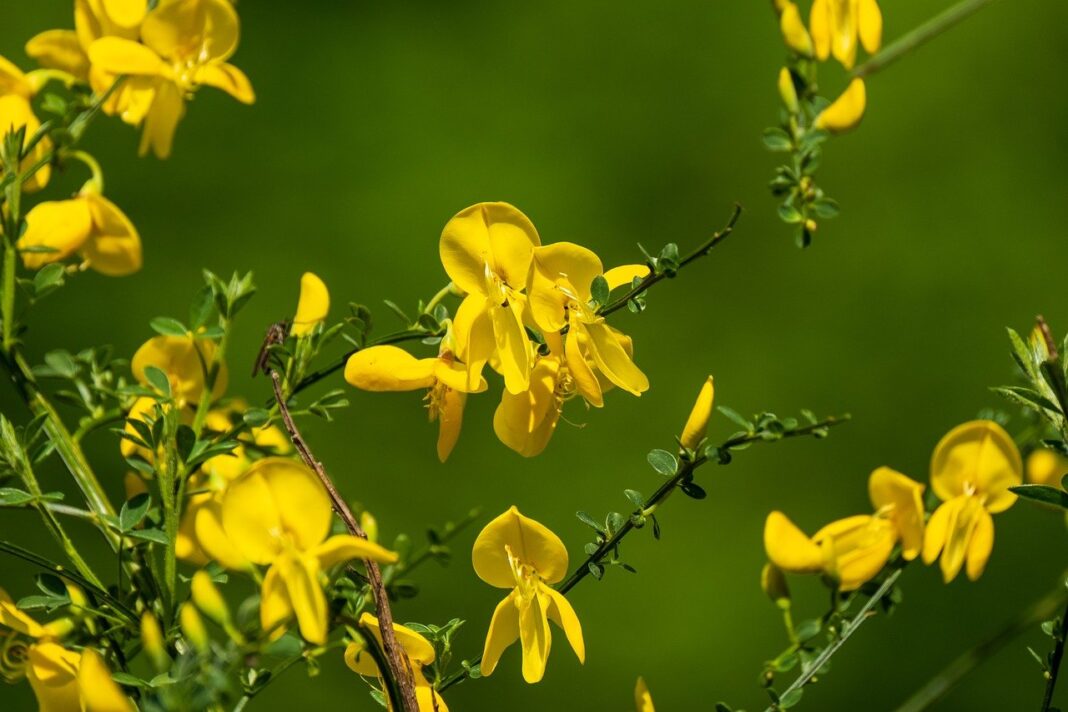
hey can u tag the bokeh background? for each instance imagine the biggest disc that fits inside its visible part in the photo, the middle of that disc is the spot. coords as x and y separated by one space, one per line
611 123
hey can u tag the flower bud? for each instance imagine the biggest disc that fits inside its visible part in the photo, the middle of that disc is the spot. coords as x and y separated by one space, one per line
312 306
788 91
846 111
193 628
369 525
208 599
811 225
694 431
793 30
78 599
773 581
153 643
59 628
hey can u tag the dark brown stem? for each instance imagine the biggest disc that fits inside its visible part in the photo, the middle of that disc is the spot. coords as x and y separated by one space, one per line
397 662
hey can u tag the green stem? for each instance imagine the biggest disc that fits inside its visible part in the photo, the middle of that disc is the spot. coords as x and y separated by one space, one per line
445 291
920 35
7 306
1060 635
211 376
942 683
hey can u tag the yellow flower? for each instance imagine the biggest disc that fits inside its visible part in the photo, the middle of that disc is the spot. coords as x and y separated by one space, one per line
278 514
486 251
643 701
313 305
854 549
1046 467
16 91
560 295
972 468
183 359
697 424
89 225
787 91
518 553
186 45
62 680
836 26
526 421
845 113
793 30
389 368
418 650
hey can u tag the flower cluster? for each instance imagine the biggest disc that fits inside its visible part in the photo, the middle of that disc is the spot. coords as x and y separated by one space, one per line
529 311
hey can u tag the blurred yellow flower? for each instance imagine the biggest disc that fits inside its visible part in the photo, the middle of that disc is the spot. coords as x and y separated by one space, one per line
278 514
643 701
972 468
16 91
313 305
486 251
518 553
836 26
183 359
853 550
787 91
845 113
1046 467
697 424
418 650
186 45
793 29
89 225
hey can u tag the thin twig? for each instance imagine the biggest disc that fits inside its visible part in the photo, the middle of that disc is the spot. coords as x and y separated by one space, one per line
1060 634
397 661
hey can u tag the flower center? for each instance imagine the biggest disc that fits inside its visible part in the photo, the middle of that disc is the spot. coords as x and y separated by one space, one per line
526 578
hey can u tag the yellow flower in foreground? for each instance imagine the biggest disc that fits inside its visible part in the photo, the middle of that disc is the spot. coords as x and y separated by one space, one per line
526 421
972 468
854 549
313 305
845 113
643 701
697 424
16 90
560 295
1046 467
486 251
418 650
183 359
63 680
89 225
836 26
793 30
278 514
186 45
389 368
516 552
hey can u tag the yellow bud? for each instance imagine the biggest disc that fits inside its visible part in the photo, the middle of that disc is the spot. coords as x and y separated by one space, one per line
694 431
369 525
846 111
773 581
193 628
313 305
208 598
811 225
153 643
77 596
59 628
793 30
788 91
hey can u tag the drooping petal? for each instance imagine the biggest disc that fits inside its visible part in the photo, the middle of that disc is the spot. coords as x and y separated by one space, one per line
275 606
525 421
192 31
59 49
503 631
251 520
844 31
345 547
793 30
697 424
186 546
586 382
613 361
121 56
61 225
959 535
114 247
228 78
389 368
902 497
562 614
13 618
301 577
561 272
312 306
856 548
788 548
513 346
530 542
450 420
161 120
418 649
13 80
475 341
934 536
454 375
212 538
870 25
820 28
100 693
846 111
52 671
981 545
977 456
535 638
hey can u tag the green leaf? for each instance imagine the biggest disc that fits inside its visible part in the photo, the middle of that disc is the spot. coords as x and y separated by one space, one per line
589 521
775 139
256 417
1043 494
125 678
155 536
789 214
599 290
11 497
47 279
61 363
807 630
168 327
635 498
134 510
736 417
825 208
200 309
791 698
158 380
663 462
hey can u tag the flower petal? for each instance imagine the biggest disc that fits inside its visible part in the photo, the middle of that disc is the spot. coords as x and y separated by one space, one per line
513 346
345 547
62 225
503 631
13 618
697 424
562 614
114 247
1046 467
820 27
534 637
525 421
210 536
228 78
251 520
623 275
856 548
450 419
59 49
613 361
418 649
846 111
192 30
161 120
121 56
301 577
934 537
312 306
99 693
531 542
301 500
960 527
870 25
586 382
389 368
52 671
977 456
560 272
275 606
643 701
981 545
788 548
475 341
903 497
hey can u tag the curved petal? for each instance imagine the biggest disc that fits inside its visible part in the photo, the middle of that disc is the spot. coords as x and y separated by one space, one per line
624 275
788 548
450 420
125 13
820 28
513 346
902 499
99 693
52 671
300 499
114 247
389 368
192 30
13 80
503 631
525 421
793 30
934 537
186 547
454 375
251 520
418 649
643 701
959 535
870 25
345 547
981 545
301 577
360 661
14 619
977 456
312 306
586 382
464 248
161 120
475 342
846 111
697 424
613 361
275 606
210 536
562 614
228 78
560 272
59 49
856 548
512 239
531 542
535 638
61 225
121 56
182 358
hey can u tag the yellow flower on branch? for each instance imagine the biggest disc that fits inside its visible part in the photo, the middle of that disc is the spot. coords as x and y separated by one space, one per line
851 551
837 25
845 112
697 424
793 29
515 552
643 701
486 251
186 45
184 359
312 306
1046 467
418 650
389 368
972 469
63 680
526 421
16 113
278 514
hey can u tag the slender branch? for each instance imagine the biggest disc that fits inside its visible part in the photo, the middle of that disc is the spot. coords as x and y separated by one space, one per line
1060 634
920 35
942 683
397 661
863 614
655 276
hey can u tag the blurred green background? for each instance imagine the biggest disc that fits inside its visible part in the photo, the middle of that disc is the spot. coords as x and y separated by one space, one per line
611 123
